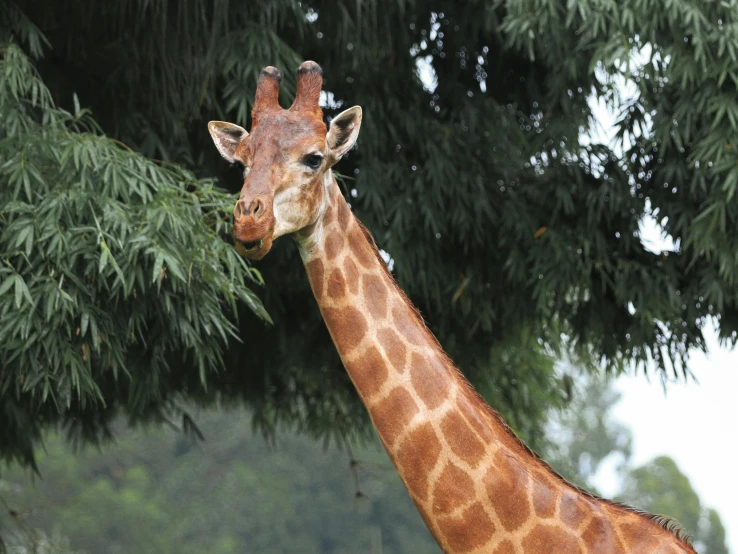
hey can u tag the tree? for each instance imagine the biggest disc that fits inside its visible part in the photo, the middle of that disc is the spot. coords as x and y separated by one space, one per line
515 238
236 493
233 493
712 533
585 434
116 288
661 488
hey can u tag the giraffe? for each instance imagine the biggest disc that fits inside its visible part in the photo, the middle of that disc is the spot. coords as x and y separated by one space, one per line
476 485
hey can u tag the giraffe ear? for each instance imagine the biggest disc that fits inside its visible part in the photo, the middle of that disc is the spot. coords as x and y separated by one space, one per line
226 137
343 132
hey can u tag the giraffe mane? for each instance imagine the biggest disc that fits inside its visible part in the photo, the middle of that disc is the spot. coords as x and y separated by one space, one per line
670 524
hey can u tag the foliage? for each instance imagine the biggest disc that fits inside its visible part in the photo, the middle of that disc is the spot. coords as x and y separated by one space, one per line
661 488
236 493
585 434
516 237
116 288
232 493
23 539
678 134
712 533
646 486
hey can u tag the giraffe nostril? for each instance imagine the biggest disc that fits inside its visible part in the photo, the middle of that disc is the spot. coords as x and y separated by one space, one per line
257 208
239 209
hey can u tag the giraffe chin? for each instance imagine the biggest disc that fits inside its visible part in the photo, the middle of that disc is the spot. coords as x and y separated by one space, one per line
254 250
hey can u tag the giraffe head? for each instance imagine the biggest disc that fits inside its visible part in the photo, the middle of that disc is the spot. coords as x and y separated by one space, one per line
286 159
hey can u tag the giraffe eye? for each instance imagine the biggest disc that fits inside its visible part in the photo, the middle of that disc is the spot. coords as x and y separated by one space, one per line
313 161
240 167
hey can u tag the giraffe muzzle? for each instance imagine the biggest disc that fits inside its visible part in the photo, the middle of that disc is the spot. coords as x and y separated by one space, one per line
253 246
253 226
254 250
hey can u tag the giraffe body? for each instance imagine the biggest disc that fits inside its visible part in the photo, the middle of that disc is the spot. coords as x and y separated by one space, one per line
478 488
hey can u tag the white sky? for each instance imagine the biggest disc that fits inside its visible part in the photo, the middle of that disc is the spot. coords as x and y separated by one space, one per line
695 423
692 422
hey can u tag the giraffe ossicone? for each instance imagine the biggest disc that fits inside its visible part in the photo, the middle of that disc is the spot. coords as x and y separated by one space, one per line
476 485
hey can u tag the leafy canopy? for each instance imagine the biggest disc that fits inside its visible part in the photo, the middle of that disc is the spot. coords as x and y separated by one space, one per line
113 272
661 488
516 238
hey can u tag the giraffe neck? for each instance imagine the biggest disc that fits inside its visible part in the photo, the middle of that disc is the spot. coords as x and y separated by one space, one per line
478 488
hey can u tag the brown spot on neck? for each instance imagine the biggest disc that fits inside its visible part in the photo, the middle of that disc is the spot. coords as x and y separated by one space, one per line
368 371
507 481
344 215
574 509
316 273
430 379
375 292
462 439
550 538
599 536
347 327
394 348
336 285
640 538
505 547
454 488
544 499
361 250
470 530
352 275
333 244
409 324
416 457
393 414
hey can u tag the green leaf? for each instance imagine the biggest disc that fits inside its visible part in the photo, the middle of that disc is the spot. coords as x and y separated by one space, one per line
7 284
21 291
104 257
83 323
29 241
158 264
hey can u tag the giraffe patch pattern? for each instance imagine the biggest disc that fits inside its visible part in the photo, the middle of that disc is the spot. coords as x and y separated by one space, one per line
464 471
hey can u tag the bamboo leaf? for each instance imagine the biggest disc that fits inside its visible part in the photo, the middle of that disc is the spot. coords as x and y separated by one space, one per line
158 265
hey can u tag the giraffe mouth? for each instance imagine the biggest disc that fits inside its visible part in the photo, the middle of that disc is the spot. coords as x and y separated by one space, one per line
253 249
253 241
252 246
